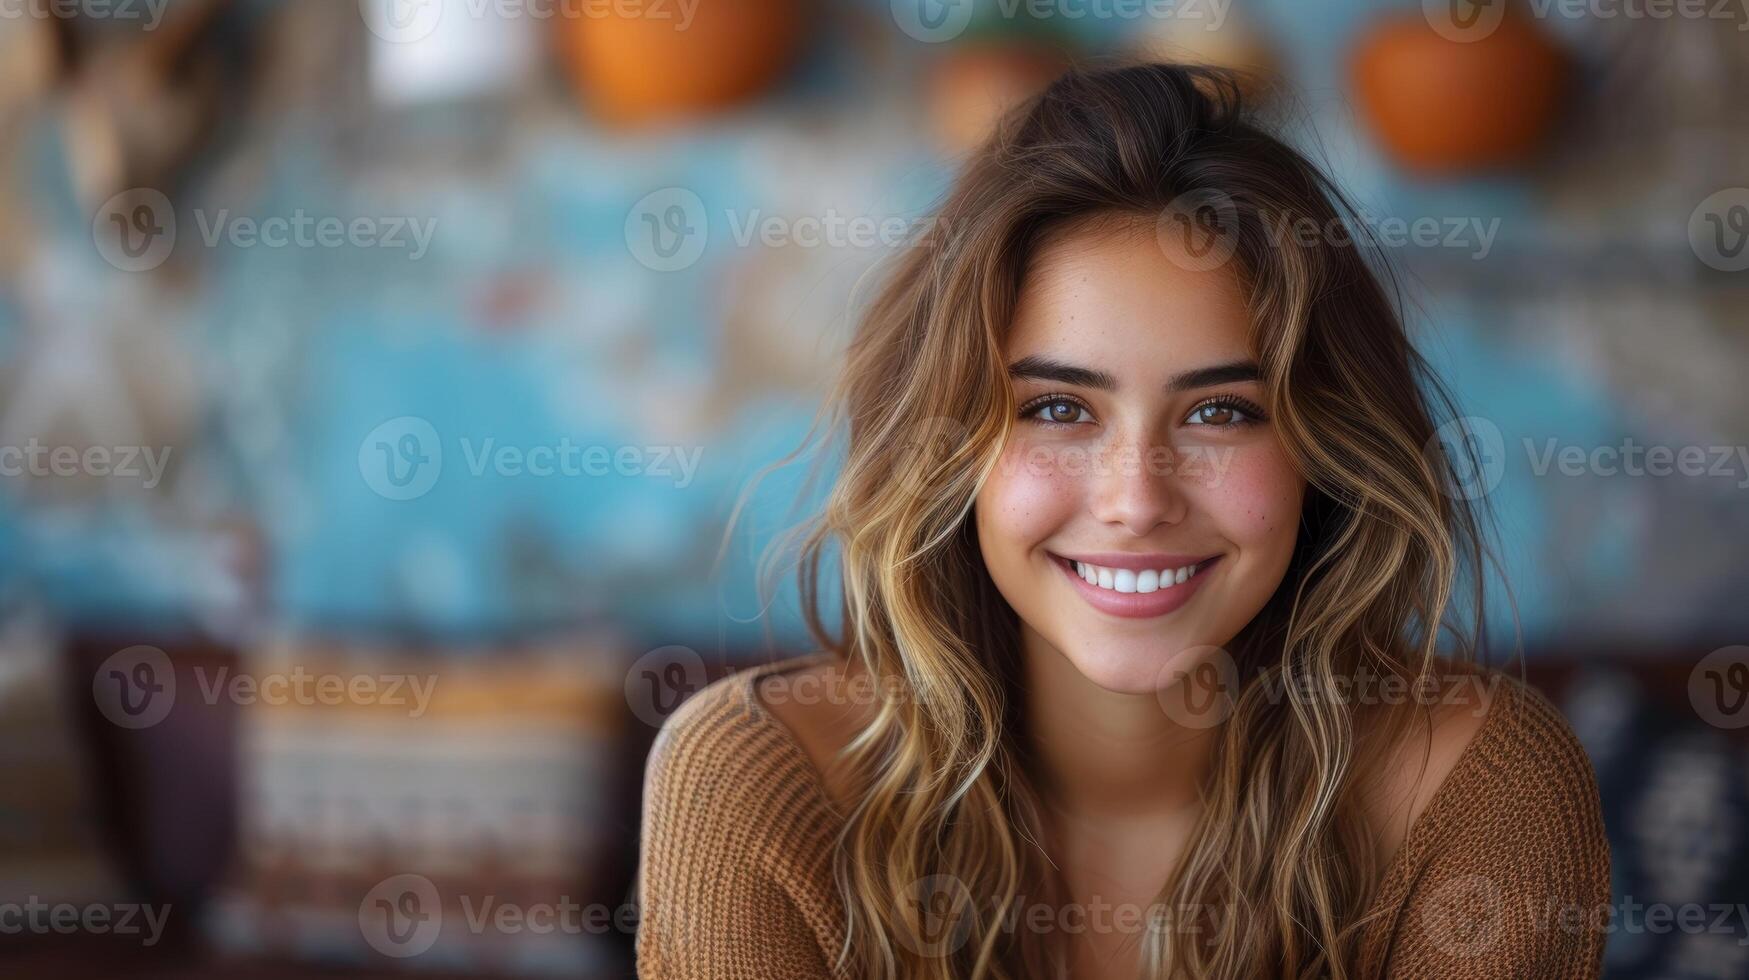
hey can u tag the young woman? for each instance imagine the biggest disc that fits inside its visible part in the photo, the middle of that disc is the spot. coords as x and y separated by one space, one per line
1146 547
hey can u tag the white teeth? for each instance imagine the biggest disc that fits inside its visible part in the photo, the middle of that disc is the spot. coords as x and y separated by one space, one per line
1128 580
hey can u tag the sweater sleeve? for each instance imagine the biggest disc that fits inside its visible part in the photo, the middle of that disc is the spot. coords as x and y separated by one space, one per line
1515 881
722 891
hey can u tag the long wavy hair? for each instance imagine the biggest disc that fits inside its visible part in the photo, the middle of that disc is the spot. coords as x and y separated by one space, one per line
1278 872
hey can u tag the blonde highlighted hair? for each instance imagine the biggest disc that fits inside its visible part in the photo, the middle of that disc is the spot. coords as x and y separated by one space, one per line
1277 875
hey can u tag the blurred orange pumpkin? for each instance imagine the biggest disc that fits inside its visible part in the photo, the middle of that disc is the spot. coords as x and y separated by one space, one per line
1443 106
972 86
636 67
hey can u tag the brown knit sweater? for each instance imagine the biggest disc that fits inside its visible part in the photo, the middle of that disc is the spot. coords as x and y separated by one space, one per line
1505 874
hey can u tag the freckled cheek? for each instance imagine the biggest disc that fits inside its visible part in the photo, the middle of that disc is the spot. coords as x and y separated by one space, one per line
1255 500
1023 503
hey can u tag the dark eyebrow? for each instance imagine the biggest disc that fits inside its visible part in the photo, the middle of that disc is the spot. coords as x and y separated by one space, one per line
1219 374
1044 369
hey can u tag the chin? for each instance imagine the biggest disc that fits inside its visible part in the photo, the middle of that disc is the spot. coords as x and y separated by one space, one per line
1134 665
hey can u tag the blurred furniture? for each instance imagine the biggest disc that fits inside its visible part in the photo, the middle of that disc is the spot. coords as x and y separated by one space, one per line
1675 803
495 775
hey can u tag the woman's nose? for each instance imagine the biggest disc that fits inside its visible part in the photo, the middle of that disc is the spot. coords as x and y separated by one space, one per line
1133 486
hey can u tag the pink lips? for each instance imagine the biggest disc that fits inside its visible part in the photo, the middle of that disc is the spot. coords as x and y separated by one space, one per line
1136 605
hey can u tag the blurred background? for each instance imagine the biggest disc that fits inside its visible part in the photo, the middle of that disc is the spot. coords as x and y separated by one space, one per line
377 380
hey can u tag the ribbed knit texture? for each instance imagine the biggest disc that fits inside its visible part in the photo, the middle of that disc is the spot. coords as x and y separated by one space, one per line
1505 874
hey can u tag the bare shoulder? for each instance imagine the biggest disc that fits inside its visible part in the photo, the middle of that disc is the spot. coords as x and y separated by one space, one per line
1513 832
1447 714
1507 745
823 704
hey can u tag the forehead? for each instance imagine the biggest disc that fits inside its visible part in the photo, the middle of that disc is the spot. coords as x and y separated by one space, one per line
1113 297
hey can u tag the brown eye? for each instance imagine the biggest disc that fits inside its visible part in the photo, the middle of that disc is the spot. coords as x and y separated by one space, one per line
1225 413
1060 411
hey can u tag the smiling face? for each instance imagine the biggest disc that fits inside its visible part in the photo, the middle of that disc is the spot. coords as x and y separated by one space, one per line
1143 506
